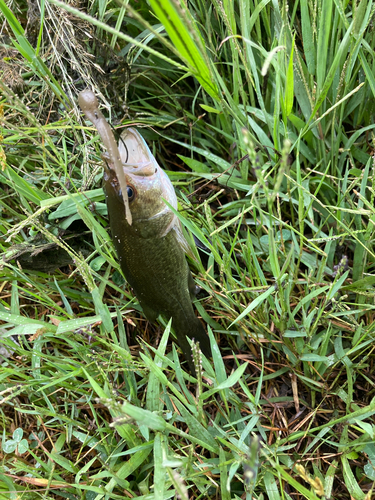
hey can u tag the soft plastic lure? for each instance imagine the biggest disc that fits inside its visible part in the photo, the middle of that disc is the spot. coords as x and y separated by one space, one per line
89 104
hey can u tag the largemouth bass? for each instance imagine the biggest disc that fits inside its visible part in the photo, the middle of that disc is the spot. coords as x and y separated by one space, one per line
146 233
152 249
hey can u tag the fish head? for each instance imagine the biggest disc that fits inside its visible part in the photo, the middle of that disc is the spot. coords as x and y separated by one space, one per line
147 186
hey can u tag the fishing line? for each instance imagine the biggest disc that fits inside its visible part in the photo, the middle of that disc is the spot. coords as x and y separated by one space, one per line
122 140
126 147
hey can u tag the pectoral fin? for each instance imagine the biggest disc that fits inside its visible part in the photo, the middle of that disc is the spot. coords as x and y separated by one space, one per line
182 240
193 329
193 288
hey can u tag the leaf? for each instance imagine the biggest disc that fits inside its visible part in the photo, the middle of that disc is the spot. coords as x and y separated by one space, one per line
210 109
68 200
313 357
196 429
219 364
23 446
102 310
16 319
225 487
97 263
9 446
18 435
144 417
74 324
31 193
99 391
135 461
362 284
66 464
309 297
369 470
289 86
342 50
308 43
271 487
159 471
350 481
182 30
229 382
195 165
255 303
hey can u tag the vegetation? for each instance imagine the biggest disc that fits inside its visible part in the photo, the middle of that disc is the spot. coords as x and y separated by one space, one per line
262 112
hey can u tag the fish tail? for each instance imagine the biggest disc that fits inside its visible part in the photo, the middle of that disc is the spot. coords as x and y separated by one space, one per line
198 334
193 329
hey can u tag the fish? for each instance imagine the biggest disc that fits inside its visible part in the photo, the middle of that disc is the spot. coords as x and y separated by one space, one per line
152 249
146 233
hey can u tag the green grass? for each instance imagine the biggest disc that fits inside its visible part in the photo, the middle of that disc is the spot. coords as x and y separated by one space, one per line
262 112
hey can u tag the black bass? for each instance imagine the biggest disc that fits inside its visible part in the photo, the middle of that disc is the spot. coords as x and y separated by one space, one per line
152 248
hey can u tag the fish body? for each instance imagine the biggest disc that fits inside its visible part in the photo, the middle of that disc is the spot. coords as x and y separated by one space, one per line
152 249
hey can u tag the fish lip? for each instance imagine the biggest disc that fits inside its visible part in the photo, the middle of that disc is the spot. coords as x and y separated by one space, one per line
141 169
137 165
144 169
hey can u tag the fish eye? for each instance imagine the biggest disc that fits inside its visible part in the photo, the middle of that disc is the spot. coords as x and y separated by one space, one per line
131 192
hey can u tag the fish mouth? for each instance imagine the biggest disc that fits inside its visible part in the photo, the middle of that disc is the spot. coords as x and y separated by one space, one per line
143 169
133 149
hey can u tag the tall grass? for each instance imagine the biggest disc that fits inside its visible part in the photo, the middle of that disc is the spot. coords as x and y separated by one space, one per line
262 114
